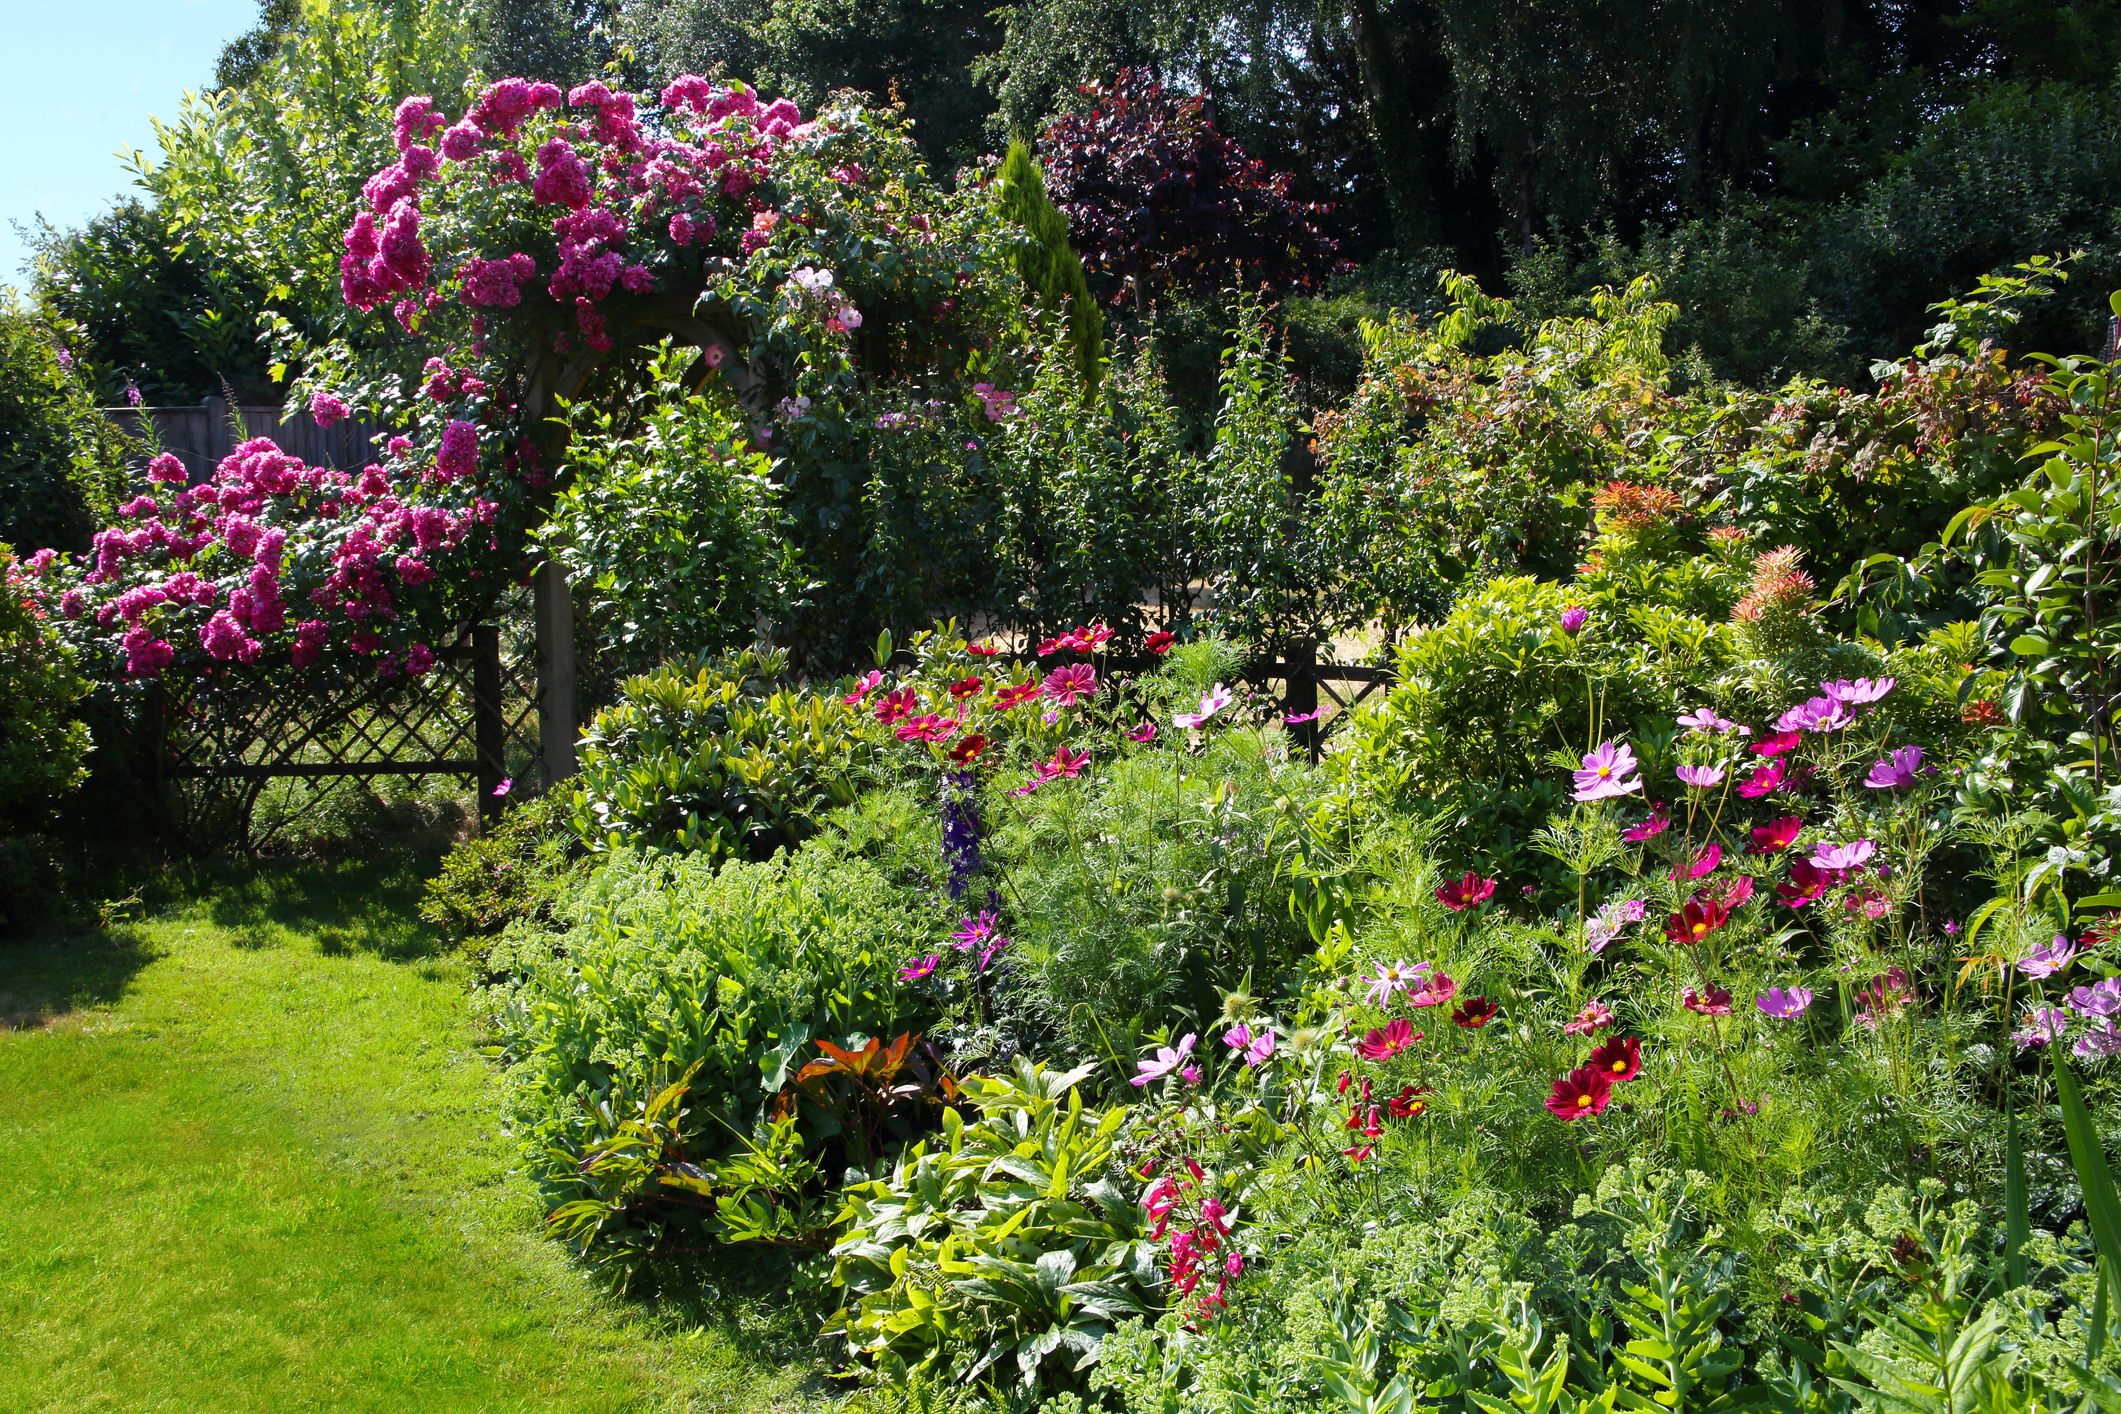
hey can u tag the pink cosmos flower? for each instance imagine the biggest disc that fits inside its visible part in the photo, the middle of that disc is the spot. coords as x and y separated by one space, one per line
1064 764
1716 1002
862 688
1254 1048
1701 777
1783 1003
1858 693
920 967
2100 1039
2043 1024
1702 864
1167 1060
1143 734
1897 772
1838 857
1607 772
2100 999
976 931
1594 1017
1611 921
1211 702
1818 715
1435 991
1392 977
1297 719
2049 958
1703 722
1074 680
507 784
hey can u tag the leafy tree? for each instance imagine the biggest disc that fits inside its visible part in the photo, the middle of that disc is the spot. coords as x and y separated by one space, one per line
1045 260
1158 198
61 463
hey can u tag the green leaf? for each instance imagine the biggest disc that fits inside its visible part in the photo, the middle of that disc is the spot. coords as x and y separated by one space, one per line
2102 1205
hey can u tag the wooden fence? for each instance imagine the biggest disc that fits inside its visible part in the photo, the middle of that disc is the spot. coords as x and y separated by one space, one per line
201 434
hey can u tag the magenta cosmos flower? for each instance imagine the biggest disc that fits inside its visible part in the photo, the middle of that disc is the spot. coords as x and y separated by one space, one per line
1896 772
1254 1048
1074 680
920 967
1657 823
1462 894
1166 1060
1607 773
2049 959
1782 1003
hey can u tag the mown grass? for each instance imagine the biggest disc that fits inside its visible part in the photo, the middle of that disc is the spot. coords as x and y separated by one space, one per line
249 1159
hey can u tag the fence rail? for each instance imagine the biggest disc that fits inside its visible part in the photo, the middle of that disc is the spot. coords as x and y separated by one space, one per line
200 434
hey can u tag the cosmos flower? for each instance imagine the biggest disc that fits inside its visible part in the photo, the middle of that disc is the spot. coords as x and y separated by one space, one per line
1700 777
1438 989
1384 1042
966 687
1160 642
1657 823
2043 1024
1010 698
1701 917
1783 1003
2099 999
1777 835
1594 1017
1764 779
1807 883
1703 863
1859 693
1608 772
1211 702
1837 857
1392 977
1474 1012
1583 1091
1461 894
1817 714
920 967
1254 1048
1166 1060
1897 772
968 748
1071 681
2048 959
1610 922
862 688
1715 1002
1703 722
1143 734
1620 1057
1779 744
1408 1103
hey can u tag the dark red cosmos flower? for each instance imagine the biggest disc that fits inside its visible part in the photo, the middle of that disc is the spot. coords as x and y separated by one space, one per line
1701 917
1716 1003
1160 642
1462 894
1583 1091
968 748
983 650
1777 835
1807 882
1474 1013
1777 745
1408 1102
1620 1057
1018 695
966 687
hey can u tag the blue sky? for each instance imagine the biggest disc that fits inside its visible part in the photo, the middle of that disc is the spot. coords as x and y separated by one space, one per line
78 82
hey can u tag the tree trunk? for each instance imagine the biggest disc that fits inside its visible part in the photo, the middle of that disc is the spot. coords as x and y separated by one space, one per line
1389 118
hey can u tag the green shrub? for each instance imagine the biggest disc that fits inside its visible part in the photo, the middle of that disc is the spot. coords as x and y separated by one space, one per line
43 746
723 758
671 536
709 992
62 465
513 873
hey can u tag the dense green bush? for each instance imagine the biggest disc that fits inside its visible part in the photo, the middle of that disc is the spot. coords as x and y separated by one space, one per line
649 1036
671 535
62 466
514 873
727 758
43 745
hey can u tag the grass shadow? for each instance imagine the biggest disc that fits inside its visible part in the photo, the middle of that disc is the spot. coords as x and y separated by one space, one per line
767 1305
46 977
346 903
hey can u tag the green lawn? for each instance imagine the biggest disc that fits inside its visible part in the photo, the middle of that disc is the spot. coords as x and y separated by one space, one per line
249 1159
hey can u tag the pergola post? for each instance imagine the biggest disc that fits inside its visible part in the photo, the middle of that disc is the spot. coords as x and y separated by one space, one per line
558 718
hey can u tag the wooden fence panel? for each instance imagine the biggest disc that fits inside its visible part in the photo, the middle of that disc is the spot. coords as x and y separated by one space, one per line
199 435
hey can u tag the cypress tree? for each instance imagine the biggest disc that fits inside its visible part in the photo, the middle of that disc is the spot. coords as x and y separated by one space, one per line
1046 262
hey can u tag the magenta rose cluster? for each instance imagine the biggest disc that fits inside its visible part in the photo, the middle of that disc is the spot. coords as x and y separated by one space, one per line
269 559
617 190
